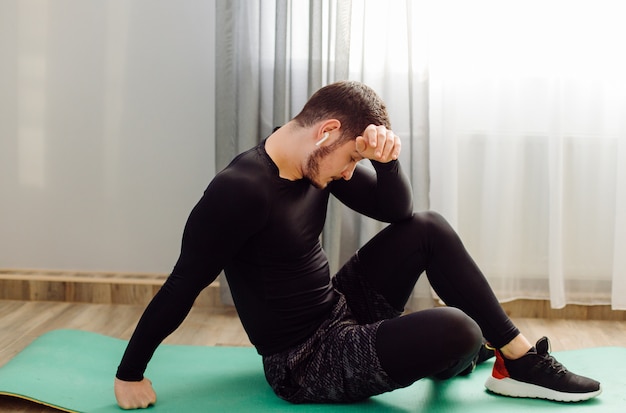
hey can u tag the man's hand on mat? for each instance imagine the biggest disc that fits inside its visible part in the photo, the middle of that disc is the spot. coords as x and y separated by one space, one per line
134 394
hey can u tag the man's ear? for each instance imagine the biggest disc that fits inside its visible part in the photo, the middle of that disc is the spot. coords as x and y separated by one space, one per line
326 130
321 141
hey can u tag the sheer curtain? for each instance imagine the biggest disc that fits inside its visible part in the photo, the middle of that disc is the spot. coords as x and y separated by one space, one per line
273 55
528 129
512 117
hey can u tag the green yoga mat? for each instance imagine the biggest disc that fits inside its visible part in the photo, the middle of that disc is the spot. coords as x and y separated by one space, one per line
73 371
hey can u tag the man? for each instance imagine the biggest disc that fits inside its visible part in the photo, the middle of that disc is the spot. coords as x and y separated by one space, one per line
339 339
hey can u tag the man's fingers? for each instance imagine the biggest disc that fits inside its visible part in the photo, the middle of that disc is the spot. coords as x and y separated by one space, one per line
392 147
387 143
371 135
395 154
361 144
379 143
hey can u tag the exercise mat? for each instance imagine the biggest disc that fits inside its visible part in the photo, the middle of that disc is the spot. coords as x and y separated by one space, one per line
73 371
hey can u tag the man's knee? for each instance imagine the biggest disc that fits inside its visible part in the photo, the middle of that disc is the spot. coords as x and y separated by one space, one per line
430 221
467 335
433 227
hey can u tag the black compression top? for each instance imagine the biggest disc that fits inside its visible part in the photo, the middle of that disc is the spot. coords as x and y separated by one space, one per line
264 232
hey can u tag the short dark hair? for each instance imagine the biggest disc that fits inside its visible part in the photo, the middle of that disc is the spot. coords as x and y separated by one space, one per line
354 104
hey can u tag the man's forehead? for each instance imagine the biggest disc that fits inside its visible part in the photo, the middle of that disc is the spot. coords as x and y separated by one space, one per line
356 155
353 152
350 148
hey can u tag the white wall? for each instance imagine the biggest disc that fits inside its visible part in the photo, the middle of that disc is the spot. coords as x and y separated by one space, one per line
106 130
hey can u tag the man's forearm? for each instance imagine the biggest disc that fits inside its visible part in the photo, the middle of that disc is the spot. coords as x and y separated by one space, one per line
164 314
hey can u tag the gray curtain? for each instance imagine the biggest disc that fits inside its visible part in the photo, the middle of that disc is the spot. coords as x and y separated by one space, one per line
271 56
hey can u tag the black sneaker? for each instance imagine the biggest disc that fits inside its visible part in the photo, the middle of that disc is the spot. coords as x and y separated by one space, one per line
538 375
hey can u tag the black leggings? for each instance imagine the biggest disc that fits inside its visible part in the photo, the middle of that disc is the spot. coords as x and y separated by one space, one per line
439 341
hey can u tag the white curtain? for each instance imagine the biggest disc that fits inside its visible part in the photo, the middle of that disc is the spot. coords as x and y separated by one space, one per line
528 136
272 55
512 114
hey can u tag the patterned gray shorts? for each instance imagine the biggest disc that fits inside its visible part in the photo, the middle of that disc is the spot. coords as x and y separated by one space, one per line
338 363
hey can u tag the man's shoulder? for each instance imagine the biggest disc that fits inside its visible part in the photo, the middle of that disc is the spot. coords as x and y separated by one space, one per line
247 167
247 176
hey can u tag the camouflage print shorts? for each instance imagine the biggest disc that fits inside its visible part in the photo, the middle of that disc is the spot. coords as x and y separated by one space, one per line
338 363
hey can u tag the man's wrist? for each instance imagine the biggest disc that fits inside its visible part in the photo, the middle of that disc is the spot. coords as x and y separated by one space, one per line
385 166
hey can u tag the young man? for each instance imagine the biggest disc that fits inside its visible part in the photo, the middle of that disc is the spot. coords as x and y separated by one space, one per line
339 339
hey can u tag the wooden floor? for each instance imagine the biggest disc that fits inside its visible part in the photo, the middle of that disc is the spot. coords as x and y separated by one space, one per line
22 321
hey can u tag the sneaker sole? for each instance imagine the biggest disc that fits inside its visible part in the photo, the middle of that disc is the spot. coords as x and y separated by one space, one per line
513 388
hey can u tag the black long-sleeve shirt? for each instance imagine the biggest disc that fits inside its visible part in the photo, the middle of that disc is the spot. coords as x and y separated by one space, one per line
264 232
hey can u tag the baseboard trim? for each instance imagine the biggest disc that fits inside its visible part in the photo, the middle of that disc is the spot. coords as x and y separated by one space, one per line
542 309
90 287
139 288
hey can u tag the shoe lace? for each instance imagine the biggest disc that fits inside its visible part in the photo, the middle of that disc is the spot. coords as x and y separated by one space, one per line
551 366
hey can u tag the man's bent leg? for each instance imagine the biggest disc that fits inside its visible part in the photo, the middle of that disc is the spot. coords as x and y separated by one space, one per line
393 260
439 342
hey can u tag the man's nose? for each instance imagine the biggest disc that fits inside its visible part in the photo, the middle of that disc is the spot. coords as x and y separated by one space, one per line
347 173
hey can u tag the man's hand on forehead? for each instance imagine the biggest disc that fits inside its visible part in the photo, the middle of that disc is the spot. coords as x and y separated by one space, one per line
379 144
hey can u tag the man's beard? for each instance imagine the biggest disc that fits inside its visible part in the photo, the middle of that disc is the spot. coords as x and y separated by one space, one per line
313 166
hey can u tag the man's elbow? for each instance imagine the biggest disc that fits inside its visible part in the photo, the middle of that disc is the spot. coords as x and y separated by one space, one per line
401 214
